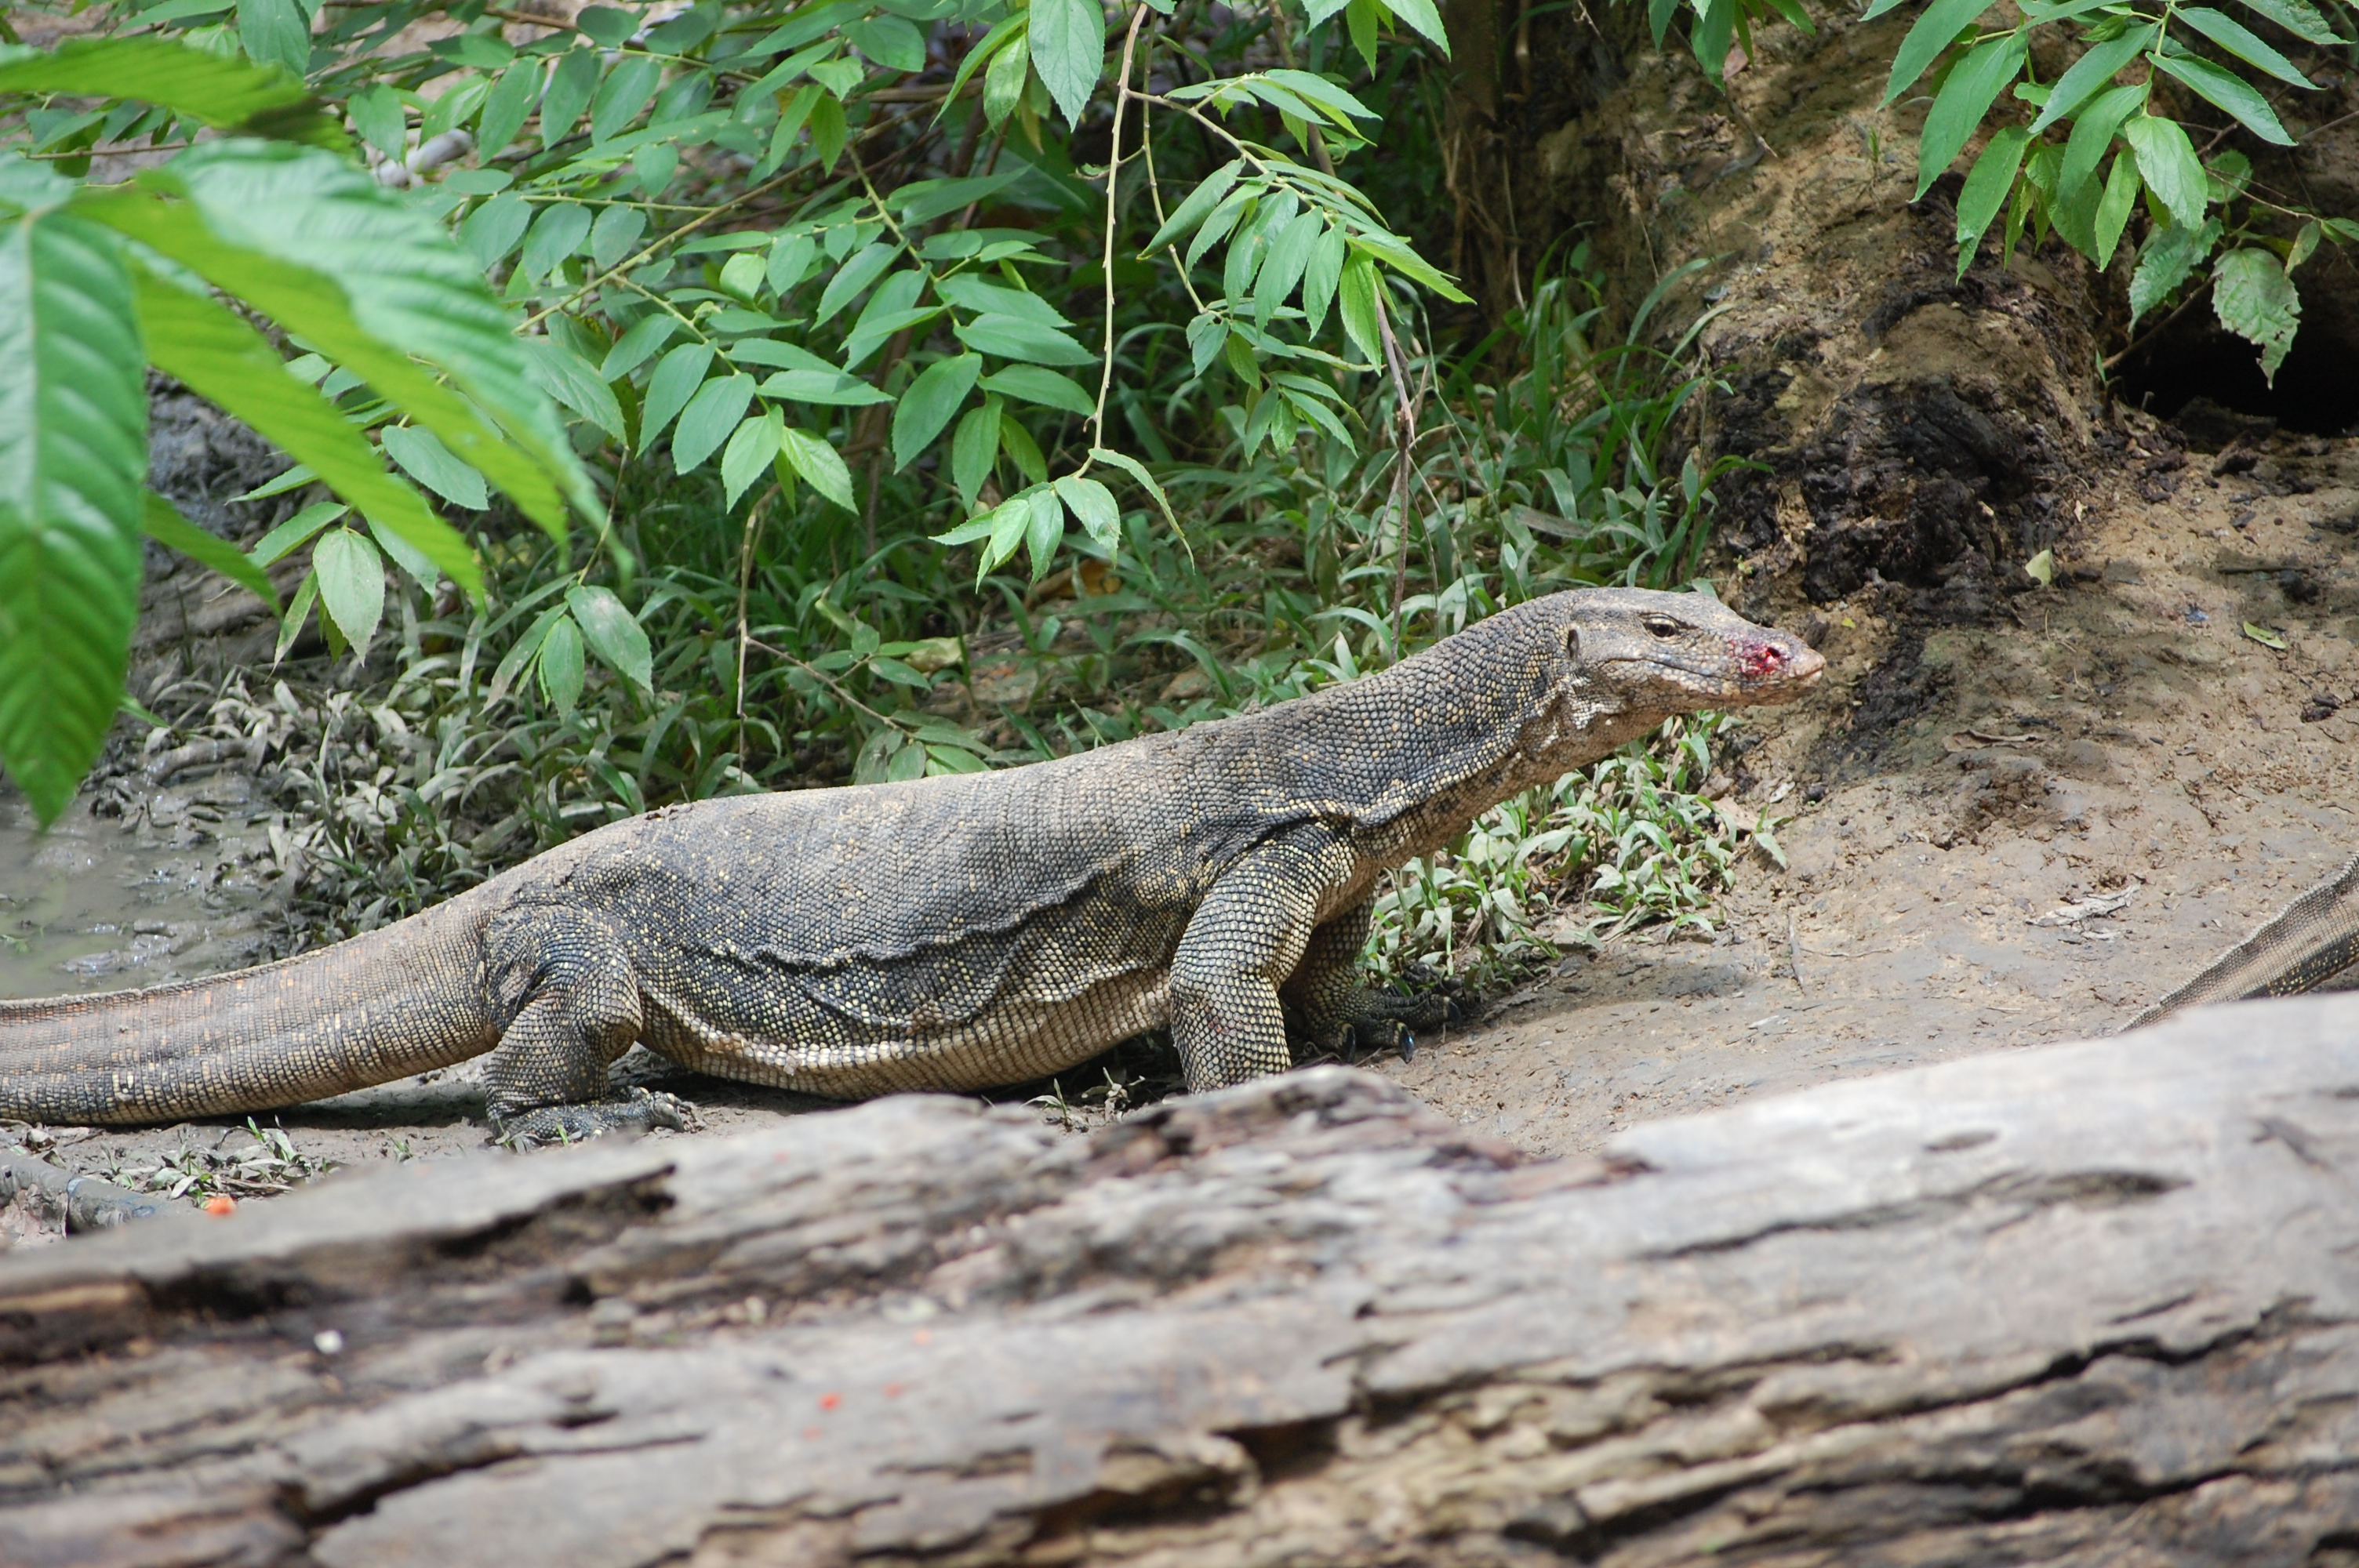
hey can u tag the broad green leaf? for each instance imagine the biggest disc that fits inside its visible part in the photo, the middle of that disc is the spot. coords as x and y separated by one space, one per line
983 297
1986 188
1200 201
162 521
674 382
826 387
1067 41
741 278
1974 85
1003 83
1290 253
2229 91
973 448
819 464
865 267
890 41
1361 18
507 105
290 534
633 348
828 129
613 633
1013 339
377 116
276 32
556 235
758 441
1356 295
567 94
2093 133
1044 529
2088 75
1707 40
561 666
352 584
1395 254
792 259
623 94
423 457
1319 277
1030 384
2238 41
223 93
492 230
290 625
220 357
1137 471
2121 187
405 555
612 238
2171 255
2305 245
1092 506
2297 17
2167 161
987 50
1341 104
928 404
1420 15
709 418
565 376
2255 300
1935 30
1021 449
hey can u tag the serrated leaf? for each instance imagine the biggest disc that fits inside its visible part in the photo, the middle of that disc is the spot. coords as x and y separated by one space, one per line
1092 506
1003 83
276 32
821 465
289 534
377 116
2230 91
1986 188
352 584
2167 162
1067 43
2171 255
565 376
2088 75
613 633
2255 300
1974 83
928 404
223 358
709 418
2093 133
421 455
1935 30
1137 471
1420 15
2297 17
1396 255
560 665
1030 384
1207 195
2239 40
677 377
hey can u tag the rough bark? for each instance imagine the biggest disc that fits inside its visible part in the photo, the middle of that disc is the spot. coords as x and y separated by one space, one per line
2086 1304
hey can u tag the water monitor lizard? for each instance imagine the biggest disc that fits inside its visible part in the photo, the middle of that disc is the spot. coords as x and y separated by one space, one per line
2310 945
951 933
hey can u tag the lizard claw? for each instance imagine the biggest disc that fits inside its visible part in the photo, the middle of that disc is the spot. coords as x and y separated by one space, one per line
643 1111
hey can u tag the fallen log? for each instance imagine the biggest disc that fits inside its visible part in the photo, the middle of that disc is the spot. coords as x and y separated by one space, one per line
2090 1303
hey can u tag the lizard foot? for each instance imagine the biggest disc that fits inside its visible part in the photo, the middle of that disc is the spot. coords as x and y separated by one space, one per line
556 1124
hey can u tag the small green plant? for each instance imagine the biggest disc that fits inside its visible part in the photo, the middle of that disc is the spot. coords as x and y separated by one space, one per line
262 1164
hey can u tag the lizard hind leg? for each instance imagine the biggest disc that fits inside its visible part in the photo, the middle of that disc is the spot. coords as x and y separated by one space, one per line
1331 1009
563 983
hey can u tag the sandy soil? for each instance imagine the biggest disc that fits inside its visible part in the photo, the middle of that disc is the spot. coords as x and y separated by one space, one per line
2118 734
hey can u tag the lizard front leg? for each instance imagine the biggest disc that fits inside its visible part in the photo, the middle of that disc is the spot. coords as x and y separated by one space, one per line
1330 1004
562 980
1246 939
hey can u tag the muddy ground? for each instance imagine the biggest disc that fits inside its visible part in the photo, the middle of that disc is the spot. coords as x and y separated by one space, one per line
2117 734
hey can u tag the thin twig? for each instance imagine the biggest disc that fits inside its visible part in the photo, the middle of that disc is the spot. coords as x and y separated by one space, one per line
758 515
2149 336
1113 179
1406 413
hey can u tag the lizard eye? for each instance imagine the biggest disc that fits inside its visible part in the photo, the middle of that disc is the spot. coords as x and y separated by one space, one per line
1662 625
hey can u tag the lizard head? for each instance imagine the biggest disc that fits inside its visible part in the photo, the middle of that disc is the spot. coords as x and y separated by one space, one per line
1634 651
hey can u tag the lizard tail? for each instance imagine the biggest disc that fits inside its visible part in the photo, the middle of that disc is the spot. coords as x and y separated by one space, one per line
2311 941
368 1011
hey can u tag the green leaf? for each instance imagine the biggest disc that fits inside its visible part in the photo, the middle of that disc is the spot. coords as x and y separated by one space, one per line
569 86
828 388
556 235
405 555
560 665
969 292
866 266
1987 190
928 404
2265 636
507 105
633 348
2229 91
2122 186
1356 295
377 116
1013 338
2169 257
423 457
565 376
2255 300
1935 30
352 584
2167 161
973 448
290 625
225 94
987 51
223 358
709 418
616 231
1340 105
492 230
623 94
2238 41
1200 201
758 441
2090 74
1420 15
1067 47
1044 530
675 380
821 467
162 521
2093 133
890 41
1003 85
1021 449
277 32
1363 17
1092 505
1396 255
1290 253
1974 85
613 633
2297 17
290 534
1319 277
1137 471
1029 384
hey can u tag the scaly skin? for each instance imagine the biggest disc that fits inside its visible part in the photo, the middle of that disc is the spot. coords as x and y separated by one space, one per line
950 933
